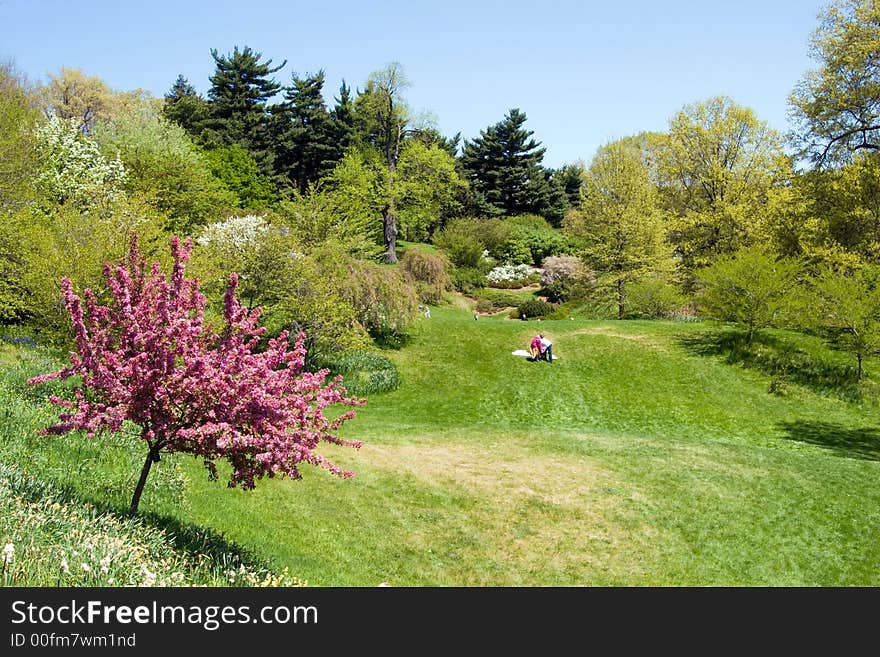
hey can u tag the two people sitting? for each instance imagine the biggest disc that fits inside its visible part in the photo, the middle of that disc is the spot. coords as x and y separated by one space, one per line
541 348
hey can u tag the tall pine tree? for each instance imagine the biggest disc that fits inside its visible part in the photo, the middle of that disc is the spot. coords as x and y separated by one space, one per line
239 94
342 121
184 106
308 151
504 167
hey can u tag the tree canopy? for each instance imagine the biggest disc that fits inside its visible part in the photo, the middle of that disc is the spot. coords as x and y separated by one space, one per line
837 105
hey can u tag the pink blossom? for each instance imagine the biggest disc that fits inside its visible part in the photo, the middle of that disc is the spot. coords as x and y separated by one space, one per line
150 359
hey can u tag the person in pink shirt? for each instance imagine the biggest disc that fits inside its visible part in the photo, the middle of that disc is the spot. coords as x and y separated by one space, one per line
535 347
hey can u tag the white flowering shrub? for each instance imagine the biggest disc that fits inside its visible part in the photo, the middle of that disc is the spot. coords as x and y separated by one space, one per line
235 233
510 273
559 268
74 169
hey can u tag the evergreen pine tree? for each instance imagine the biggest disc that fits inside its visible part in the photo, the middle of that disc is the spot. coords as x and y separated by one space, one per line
309 150
342 121
239 94
184 106
504 166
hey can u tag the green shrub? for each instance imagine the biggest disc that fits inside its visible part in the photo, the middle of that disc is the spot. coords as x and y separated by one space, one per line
562 311
463 250
467 279
363 372
428 273
493 300
516 249
534 308
654 299
531 239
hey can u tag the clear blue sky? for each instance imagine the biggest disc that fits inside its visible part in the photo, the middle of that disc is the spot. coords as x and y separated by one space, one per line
583 72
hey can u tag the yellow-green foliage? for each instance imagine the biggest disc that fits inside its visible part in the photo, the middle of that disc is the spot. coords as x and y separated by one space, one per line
428 273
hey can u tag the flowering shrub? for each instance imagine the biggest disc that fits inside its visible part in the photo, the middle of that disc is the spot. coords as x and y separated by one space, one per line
512 275
235 233
148 358
565 277
74 168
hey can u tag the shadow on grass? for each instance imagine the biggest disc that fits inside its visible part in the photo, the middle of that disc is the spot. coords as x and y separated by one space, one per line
851 443
779 359
196 542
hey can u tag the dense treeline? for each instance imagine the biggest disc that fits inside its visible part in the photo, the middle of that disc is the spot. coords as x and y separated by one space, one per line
720 215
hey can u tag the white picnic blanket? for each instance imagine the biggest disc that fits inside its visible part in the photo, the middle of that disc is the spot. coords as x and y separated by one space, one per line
523 352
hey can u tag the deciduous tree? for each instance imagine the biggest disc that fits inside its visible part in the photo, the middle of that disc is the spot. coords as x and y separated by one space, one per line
837 105
149 358
751 288
716 165
849 309
618 220
382 117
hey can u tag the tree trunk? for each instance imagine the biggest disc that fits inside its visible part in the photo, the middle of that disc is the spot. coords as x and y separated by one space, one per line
389 229
859 356
152 455
621 299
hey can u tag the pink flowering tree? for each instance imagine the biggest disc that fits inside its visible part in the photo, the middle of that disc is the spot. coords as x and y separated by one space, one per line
149 358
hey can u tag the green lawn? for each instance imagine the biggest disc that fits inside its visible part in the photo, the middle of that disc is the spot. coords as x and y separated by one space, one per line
646 455
640 457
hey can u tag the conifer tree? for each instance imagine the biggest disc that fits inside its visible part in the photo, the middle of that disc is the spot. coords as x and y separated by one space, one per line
342 121
184 106
308 151
240 91
504 167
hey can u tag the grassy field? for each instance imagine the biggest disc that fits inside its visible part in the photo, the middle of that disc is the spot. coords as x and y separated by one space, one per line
650 453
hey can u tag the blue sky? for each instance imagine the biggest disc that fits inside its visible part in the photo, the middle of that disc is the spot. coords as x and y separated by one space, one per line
583 72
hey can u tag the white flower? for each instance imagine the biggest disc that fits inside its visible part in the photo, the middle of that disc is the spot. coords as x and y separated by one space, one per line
510 272
64 567
86 568
149 577
235 233
8 553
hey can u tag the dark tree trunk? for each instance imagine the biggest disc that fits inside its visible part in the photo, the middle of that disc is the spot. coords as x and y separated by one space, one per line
389 215
859 356
621 299
152 456
389 229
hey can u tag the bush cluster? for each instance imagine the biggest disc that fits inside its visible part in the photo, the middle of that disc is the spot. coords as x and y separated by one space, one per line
363 372
534 308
